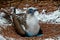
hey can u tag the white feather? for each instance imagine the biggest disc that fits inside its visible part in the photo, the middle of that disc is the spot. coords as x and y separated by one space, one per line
33 25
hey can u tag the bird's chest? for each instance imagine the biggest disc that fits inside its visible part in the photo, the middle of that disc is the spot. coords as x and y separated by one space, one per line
31 20
33 25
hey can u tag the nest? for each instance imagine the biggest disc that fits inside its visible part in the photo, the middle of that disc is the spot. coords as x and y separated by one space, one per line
49 30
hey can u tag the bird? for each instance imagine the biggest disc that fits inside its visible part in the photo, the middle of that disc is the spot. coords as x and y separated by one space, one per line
33 24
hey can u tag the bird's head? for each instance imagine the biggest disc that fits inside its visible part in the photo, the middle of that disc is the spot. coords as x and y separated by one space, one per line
31 11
